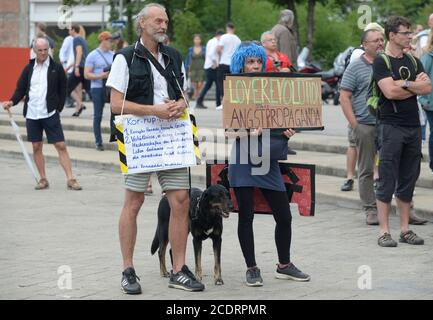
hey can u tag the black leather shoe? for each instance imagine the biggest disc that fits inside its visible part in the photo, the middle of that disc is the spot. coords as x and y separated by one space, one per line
200 105
347 185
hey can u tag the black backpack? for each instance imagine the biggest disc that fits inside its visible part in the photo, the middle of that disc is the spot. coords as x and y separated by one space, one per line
349 55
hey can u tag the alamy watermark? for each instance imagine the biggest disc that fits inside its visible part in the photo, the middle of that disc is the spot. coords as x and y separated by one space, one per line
365 12
65 17
365 280
254 150
64 281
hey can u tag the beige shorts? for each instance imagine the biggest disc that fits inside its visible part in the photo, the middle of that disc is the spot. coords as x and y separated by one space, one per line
175 179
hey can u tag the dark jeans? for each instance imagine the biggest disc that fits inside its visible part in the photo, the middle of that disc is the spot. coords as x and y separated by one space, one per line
98 98
399 161
429 115
279 203
211 77
222 70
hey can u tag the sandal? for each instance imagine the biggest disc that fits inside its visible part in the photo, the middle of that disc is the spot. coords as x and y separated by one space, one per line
42 184
410 237
72 184
77 113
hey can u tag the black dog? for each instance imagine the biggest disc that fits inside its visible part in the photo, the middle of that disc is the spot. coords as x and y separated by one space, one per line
207 208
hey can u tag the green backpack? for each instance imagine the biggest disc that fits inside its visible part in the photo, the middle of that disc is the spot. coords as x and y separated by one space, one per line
374 92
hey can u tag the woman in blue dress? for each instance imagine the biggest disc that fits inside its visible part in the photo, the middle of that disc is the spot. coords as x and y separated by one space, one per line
250 57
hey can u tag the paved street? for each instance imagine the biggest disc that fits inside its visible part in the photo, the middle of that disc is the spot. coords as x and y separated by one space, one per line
42 231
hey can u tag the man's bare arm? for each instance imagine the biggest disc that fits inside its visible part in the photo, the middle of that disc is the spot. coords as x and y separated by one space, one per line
346 106
79 55
89 75
422 84
392 89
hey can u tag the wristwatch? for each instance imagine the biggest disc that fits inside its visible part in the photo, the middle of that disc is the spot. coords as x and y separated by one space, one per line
405 84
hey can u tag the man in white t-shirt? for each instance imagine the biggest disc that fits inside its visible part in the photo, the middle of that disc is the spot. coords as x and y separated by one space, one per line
227 46
210 68
146 92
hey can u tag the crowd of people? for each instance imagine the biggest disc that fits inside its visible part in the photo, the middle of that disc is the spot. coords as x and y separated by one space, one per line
147 79
215 58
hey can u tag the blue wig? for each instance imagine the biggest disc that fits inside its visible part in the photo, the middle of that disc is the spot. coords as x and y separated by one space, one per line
244 51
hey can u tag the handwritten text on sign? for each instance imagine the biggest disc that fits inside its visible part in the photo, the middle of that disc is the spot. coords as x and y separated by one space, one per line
154 144
272 102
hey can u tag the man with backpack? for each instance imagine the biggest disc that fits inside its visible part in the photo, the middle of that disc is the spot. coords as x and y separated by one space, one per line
354 87
399 78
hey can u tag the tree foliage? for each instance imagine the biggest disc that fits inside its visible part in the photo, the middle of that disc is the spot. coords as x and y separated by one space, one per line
333 23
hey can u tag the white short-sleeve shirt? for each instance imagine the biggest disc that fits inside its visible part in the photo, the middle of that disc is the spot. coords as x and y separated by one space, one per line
229 42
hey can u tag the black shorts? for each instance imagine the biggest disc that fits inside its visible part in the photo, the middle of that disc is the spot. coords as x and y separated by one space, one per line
74 81
52 127
399 161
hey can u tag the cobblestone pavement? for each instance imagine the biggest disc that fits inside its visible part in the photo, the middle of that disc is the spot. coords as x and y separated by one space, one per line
50 236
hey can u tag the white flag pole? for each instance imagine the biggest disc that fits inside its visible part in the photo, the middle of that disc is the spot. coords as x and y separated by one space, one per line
26 155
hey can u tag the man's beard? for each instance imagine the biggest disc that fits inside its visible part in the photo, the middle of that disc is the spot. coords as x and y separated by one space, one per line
160 38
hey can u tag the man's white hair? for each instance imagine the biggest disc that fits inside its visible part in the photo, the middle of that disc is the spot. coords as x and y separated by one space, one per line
287 17
144 13
264 34
38 40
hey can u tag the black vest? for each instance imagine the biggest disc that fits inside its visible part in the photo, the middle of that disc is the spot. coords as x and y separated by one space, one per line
141 82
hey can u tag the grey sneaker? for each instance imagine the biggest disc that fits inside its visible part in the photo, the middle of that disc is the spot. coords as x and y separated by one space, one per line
371 219
185 280
386 241
414 219
129 282
410 237
253 277
291 273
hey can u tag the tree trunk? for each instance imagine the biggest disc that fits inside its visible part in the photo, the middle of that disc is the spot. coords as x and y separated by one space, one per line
310 26
291 6
130 36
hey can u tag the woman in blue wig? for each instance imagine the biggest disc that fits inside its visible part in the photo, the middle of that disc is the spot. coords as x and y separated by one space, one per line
254 164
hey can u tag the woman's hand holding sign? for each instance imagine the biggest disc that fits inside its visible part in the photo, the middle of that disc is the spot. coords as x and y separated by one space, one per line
289 133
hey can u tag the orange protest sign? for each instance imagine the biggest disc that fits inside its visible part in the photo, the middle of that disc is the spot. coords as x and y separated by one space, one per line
272 101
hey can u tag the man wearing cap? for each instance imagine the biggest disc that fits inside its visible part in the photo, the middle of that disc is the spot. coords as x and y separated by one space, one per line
96 69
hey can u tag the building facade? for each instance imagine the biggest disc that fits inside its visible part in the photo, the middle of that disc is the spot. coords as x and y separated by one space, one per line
18 19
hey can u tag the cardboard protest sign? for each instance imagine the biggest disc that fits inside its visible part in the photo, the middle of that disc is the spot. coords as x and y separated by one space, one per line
148 144
272 100
299 180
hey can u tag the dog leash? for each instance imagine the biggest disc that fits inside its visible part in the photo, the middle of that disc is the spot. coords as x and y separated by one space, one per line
194 215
